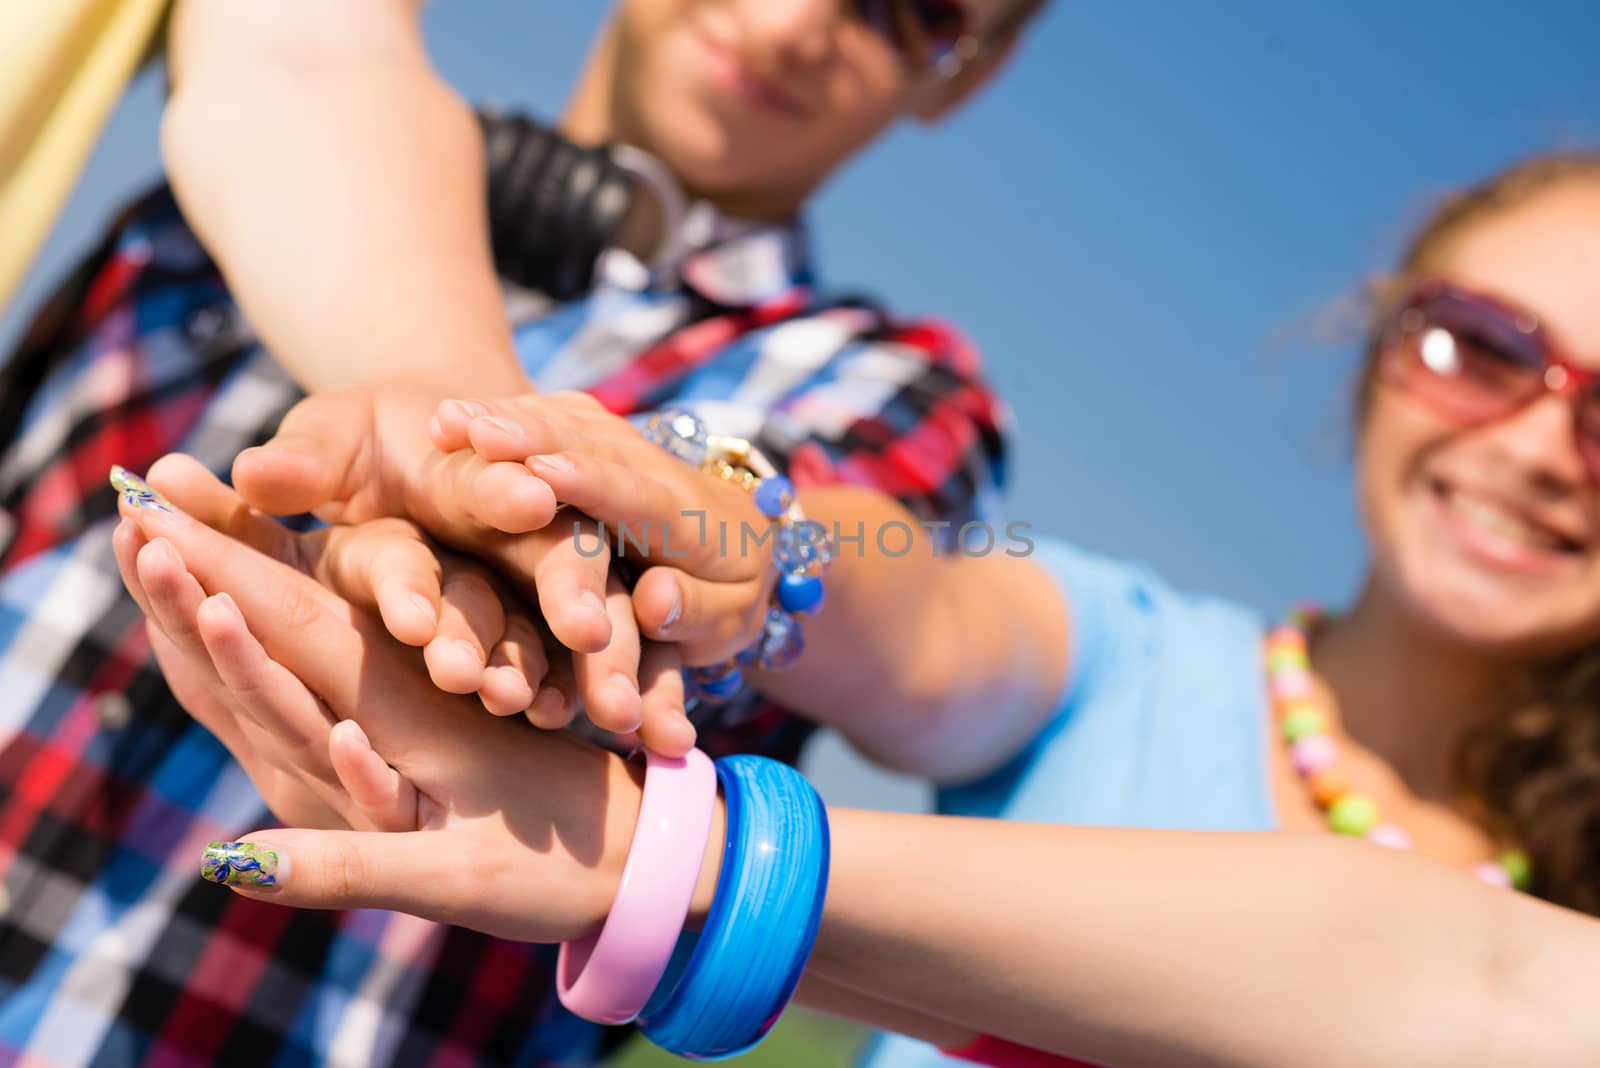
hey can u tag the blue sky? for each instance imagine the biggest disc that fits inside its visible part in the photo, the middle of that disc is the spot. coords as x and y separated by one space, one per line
1139 225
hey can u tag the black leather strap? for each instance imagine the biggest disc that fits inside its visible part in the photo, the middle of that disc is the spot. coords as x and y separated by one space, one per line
553 207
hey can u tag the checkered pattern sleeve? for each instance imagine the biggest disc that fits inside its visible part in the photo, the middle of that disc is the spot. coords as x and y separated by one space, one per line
903 409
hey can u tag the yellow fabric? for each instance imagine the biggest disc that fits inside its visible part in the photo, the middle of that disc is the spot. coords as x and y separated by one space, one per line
65 64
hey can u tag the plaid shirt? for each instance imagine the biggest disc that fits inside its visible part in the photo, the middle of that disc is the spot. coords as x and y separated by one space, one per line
112 951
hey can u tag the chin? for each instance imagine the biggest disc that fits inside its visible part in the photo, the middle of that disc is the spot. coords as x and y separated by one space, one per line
1493 589
1495 617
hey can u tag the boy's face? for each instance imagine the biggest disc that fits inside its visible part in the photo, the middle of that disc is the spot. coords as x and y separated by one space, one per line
755 102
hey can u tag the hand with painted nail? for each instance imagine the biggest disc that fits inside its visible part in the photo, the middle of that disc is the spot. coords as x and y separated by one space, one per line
474 634
277 731
365 454
708 575
524 831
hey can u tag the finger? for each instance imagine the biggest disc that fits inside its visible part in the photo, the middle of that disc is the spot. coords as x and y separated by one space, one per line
603 466
466 875
126 541
290 729
186 668
174 595
508 497
192 487
513 439
292 800
190 672
664 726
307 628
556 702
311 461
565 564
471 622
416 871
517 428
516 668
385 564
408 593
608 680
648 517
448 427
709 621
338 652
264 692
569 568
386 799
291 796
201 693
341 456
465 501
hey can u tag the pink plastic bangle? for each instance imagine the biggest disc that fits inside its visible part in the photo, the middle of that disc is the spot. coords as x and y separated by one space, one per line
608 977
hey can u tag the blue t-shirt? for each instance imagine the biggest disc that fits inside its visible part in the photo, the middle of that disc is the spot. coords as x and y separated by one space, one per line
1163 724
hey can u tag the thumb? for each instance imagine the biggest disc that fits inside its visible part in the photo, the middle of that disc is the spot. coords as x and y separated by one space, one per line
317 457
709 621
344 870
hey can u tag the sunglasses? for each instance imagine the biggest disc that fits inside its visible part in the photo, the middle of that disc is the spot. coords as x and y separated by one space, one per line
1475 360
925 34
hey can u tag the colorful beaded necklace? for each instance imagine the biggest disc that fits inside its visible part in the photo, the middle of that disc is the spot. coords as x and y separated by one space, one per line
1303 720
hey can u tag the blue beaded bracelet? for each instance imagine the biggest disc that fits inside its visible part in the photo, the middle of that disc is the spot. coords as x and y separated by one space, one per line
801 549
728 985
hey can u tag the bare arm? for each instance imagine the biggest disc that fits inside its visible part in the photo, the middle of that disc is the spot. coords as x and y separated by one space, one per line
1135 948
339 183
1126 947
945 665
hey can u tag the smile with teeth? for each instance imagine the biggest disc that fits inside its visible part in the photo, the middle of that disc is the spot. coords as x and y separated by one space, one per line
1494 520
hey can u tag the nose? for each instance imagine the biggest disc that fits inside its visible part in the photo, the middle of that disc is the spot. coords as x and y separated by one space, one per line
1541 442
791 32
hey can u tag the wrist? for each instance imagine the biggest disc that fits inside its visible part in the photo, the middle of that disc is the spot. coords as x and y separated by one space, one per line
705 889
609 974
494 374
627 782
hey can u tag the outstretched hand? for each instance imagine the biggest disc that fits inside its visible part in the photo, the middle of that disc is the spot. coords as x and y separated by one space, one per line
512 831
365 454
706 547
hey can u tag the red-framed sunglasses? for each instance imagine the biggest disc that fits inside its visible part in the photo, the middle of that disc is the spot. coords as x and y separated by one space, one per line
1476 359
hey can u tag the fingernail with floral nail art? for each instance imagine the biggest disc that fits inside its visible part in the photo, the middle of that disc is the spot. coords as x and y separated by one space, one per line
243 864
137 492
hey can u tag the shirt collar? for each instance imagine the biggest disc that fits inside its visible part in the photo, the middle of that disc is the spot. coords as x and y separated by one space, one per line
738 262
729 261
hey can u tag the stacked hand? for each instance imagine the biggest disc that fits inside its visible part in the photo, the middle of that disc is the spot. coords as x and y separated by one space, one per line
483 478
700 538
364 455
513 831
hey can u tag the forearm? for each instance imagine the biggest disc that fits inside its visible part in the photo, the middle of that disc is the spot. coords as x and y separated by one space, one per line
1161 948
339 184
824 995
941 664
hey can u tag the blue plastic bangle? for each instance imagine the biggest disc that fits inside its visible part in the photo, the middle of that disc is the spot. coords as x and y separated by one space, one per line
726 987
